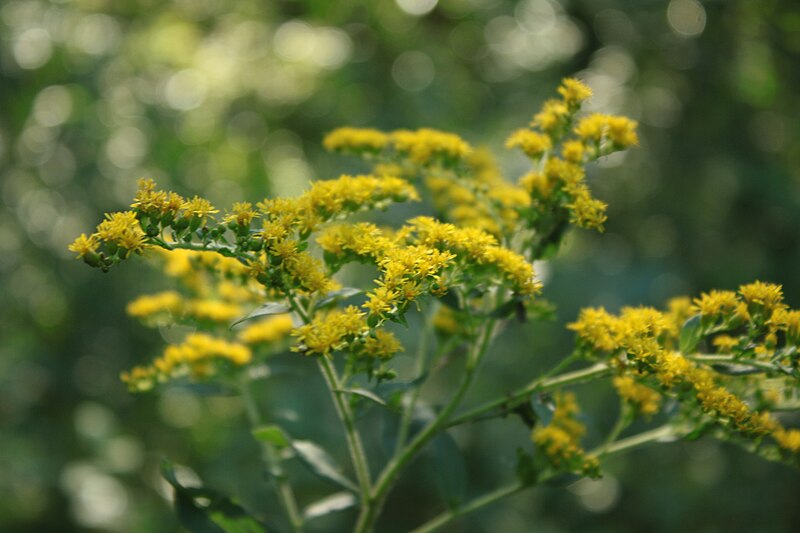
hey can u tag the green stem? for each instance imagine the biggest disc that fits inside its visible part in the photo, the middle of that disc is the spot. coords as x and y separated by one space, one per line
511 400
340 401
369 513
482 501
729 359
623 420
410 399
496 495
277 475
660 433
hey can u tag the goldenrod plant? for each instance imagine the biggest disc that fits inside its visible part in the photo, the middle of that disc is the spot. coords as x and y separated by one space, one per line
263 279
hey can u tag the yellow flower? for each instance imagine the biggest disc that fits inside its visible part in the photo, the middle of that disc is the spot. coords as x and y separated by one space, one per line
538 184
573 151
309 274
363 239
355 140
789 321
514 268
532 143
766 296
559 440
552 116
716 303
725 343
213 310
198 208
84 246
124 230
586 212
242 213
194 357
592 127
149 200
788 439
266 331
427 146
330 332
599 328
679 310
149 305
381 345
646 400
621 131
382 300
574 91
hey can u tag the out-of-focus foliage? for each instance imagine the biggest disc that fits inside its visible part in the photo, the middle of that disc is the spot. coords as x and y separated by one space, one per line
232 100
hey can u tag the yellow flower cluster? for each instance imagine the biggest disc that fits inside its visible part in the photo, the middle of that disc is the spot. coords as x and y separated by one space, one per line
363 240
151 201
643 334
407 273
558 183
288 222
574 91
789 322
475 247
241 214
150 305
267 331
121 232
534 144
197 357
356 140
329 199
646 400
552 117
717 303
596 128
212 310
427 146
330 332
170 208
763 298
422 147
560 439
381 344
484 199
788 439
185 264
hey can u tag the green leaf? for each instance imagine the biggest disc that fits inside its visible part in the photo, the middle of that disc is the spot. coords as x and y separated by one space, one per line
365 394
338 295
272 434
330 504
270 308
691 334
444 462
202 510
320 463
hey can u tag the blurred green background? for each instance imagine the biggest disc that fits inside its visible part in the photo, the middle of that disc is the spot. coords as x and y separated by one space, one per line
231 99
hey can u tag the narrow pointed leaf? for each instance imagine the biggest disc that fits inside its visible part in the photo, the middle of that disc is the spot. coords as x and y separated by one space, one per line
271 308
330 504
273 435
321 463
341 294
365 394
691 333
